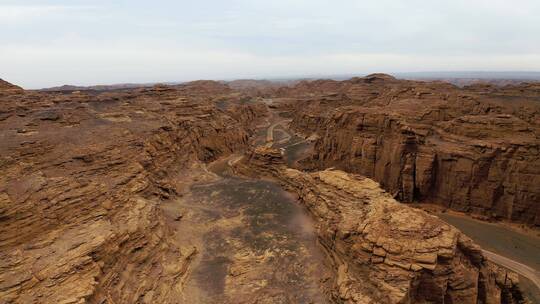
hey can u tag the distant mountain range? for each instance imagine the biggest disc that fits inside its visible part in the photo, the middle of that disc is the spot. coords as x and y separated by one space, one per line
468 78
457 78
104 87
472 74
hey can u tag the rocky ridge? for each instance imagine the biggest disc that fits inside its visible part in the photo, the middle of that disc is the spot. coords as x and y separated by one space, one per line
7 88
473 150
82 180
384 251
85 175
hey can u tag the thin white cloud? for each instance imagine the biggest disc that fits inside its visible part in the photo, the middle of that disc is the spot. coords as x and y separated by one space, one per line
67 41
20 14
93 65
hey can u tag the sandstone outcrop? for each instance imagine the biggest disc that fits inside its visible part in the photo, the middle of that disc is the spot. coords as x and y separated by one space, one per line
474 150
384 251
87 178
7 88
82 179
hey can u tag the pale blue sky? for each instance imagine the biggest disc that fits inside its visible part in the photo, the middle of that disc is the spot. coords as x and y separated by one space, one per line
46 43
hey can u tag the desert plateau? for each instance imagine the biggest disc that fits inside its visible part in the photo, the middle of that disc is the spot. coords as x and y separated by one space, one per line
301 193
269 152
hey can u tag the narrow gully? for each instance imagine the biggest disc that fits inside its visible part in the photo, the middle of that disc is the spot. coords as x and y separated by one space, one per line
255 243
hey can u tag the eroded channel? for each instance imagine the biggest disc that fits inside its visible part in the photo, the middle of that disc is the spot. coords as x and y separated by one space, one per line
255 243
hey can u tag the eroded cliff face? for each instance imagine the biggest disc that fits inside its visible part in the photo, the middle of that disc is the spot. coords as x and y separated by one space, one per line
384 251
474 150
85 177
82 179
7 88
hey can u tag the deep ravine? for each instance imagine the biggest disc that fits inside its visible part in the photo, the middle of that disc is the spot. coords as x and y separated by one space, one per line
255 243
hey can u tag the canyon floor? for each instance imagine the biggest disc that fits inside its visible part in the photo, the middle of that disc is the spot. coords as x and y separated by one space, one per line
255 242
258 242
202 193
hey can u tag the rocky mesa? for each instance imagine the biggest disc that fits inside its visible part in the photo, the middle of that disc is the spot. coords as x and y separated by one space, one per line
88 177
384 251
82 180
474 150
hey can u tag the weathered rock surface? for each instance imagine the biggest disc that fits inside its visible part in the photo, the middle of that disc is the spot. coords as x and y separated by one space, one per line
7 88
473 150
85 176
82 179
384 251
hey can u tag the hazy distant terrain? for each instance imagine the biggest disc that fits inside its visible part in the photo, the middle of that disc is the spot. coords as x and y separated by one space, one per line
467 78
101 87
456 78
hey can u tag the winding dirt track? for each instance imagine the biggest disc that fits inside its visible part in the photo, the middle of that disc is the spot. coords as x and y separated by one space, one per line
521 269
270 131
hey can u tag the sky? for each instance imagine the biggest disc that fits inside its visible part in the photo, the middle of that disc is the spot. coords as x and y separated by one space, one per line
48 43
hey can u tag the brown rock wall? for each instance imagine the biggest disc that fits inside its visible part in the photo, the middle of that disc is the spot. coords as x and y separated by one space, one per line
384 251
433 142
82 179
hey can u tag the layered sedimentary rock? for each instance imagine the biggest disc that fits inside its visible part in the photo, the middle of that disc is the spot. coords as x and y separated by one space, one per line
82 179
474 150
85 176
384 251
7 88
